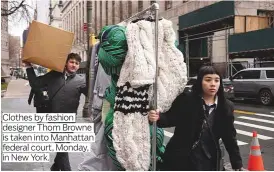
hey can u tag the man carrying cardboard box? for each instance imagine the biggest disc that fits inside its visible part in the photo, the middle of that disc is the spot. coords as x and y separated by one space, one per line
64 91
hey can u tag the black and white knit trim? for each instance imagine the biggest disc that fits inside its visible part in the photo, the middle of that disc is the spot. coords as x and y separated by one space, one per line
132 100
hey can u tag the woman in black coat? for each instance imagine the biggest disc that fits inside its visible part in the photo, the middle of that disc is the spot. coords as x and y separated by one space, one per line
198 127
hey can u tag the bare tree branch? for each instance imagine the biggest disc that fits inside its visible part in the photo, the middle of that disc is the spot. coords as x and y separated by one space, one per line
13 9
16 10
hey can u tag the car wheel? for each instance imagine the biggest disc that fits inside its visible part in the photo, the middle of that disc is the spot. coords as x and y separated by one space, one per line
266 97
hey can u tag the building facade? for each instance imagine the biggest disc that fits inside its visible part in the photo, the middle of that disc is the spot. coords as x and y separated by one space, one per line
55 8
42 11
114 12
74 19
5 64
14 51
231 35
207 30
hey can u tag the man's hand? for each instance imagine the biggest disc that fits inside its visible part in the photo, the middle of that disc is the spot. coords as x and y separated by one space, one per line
153 115
27 64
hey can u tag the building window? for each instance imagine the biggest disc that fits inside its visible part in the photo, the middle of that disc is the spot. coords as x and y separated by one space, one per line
113 12
71 22
129 8
83 19
185 1
95 5
140 5
168 5
106 12
77 30
101 14
121 11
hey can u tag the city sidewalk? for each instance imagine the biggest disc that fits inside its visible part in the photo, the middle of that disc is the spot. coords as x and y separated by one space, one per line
15 100
17 88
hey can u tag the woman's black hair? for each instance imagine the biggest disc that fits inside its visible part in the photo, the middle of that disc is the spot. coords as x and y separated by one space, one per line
205 70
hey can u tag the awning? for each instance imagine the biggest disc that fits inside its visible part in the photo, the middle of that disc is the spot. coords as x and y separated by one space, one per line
212 13
252 42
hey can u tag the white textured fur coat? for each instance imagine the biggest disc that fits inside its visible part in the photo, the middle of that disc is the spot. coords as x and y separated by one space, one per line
140 66
131 135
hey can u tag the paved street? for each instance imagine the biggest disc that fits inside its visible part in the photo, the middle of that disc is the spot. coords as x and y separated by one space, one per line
248 117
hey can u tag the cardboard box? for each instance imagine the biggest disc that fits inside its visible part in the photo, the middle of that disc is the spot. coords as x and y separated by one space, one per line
47 46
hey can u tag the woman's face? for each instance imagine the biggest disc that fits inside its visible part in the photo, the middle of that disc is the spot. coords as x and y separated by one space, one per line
211 84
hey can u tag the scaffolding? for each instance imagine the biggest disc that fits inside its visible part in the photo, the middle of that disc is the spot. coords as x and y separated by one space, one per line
204 44
211 47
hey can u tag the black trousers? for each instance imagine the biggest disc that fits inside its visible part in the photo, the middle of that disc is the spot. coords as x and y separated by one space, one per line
42 110
61 162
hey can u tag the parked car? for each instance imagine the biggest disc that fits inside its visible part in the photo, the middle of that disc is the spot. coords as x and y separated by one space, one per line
254 83
228 88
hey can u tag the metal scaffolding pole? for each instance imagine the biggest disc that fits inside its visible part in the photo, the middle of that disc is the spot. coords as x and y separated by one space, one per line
187 55
229 69
227 56
155 88
215 30
154 7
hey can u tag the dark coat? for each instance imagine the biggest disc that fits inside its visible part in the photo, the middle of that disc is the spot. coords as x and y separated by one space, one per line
67 98
186 115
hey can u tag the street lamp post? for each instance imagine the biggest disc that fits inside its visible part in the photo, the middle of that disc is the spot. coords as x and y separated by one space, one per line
86 108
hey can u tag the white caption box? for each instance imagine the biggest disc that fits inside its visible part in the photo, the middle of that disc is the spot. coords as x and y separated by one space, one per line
48 137
45 147
38 117
47 127
25 157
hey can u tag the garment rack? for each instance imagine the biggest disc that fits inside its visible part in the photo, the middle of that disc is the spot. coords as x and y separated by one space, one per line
155 8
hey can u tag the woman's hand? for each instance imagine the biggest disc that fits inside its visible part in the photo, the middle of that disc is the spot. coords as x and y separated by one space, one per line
153 115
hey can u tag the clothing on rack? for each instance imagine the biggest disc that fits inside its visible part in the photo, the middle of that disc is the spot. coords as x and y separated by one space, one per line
102 82
135 89
105 108
97 159
114 41
131 134
94 64
113 48
110 97
139 66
